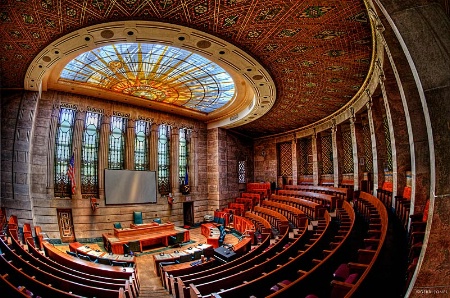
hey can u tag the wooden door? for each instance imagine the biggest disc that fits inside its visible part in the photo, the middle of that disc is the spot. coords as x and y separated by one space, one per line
65 223
188 213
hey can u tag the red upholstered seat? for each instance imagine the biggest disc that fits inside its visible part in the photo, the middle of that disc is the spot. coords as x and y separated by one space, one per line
352 278
342 272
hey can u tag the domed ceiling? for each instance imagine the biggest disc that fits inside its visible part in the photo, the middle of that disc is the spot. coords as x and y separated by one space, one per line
318 52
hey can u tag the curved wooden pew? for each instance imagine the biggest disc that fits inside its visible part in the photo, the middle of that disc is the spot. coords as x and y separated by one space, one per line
21 255
261 224
322 267
252 281
269 252
312 209
90 267
375 213
275 218
176 280
329 201
10 290
18 277
296 216
341 192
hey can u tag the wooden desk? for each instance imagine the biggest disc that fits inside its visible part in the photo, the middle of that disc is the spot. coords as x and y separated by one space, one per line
94 254
147 235
212 234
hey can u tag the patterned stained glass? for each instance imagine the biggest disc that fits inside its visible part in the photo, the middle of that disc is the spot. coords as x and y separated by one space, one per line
327 154
141 145
242 164
154 72
63 151
305 156
183 157
367 154
117 143
164 159
347 151
387 136
285 159
89 153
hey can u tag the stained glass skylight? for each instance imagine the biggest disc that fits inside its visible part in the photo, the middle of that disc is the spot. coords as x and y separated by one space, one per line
156 73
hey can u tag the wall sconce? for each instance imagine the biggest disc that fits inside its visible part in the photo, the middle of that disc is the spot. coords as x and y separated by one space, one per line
94 204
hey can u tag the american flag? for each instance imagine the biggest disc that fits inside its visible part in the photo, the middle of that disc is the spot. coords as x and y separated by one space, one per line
71 173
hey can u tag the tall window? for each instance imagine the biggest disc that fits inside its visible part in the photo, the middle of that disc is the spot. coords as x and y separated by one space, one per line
347 164
387 136
368 160
183 157
242 164
63 151
89 154
164 159
285 159
327 154
117 143
142 129
305 148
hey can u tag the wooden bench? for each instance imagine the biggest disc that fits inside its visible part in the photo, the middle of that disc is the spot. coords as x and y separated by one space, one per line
384 193
177 282
63 281
253 280
376 215
341 192
275 218
312 209
328 201
296 216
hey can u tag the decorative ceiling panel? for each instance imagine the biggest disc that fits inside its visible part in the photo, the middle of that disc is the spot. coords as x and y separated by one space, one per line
317 51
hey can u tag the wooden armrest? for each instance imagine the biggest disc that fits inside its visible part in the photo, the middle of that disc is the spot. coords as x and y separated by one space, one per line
357 266
371 241
301 272
341 284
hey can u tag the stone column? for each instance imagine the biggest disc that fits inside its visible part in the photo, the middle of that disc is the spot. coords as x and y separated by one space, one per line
193 161
334 143
130 144
174 154
374 144
392 137
294 162
355 153
105 131
51 151
153 150
76 147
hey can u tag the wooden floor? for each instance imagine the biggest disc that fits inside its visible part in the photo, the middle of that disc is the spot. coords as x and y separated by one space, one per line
150 283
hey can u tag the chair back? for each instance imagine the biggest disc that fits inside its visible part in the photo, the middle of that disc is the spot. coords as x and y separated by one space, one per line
137 217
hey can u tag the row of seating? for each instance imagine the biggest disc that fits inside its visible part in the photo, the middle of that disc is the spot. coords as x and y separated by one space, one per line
258 280
341 192
328 201
296 216
312 209
63 277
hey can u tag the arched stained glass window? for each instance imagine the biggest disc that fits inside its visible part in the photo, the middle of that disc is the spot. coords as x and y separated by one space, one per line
63 151
347 150
154 72
164 159
141 148
183 157
89 154
327 154
117 143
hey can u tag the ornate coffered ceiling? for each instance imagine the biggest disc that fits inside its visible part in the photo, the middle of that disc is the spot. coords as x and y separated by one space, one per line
317 52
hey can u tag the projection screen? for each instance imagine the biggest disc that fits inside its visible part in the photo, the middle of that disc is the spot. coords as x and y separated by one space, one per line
129 187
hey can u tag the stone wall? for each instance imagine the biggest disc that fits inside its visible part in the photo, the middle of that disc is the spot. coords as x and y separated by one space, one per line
26 170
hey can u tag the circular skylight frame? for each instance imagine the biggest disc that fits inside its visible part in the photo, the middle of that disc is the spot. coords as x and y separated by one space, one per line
155 72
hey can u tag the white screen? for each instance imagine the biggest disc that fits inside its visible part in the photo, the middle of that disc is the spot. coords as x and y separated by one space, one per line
129 187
